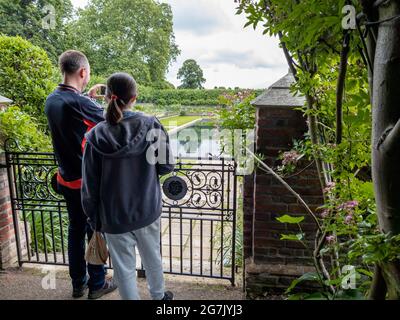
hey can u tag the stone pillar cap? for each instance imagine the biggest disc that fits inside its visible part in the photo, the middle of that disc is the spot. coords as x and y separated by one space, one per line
280 95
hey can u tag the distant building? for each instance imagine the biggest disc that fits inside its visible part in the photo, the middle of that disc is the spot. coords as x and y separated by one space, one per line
4 102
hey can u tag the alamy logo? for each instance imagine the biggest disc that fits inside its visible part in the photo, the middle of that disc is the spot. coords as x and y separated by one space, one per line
349 277
49 21
49 279
349 21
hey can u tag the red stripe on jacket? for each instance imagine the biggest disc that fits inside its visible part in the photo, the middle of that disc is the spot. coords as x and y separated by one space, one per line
90 125
76 184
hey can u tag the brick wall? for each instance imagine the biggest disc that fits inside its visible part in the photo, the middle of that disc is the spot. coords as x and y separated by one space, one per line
248 201
8 253
270 263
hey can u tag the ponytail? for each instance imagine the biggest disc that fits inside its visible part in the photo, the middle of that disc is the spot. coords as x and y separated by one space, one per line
121 89
114 113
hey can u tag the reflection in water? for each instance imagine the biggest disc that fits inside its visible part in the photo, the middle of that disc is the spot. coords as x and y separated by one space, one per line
204 141
196 141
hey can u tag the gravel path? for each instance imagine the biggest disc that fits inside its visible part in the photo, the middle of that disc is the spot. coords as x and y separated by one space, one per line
26 284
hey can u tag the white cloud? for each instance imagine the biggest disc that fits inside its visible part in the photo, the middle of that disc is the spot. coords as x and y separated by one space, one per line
229 55
200 17
79 3
210 32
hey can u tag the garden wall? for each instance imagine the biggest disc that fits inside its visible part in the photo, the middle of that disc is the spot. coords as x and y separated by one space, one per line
8 246
8 251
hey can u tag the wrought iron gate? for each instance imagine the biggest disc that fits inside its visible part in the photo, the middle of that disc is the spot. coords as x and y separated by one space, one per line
198 225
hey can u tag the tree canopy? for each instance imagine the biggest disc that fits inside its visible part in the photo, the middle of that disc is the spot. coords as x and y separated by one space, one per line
191 75
134 36
25 18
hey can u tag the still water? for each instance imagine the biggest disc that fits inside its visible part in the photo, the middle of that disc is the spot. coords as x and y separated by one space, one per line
200 140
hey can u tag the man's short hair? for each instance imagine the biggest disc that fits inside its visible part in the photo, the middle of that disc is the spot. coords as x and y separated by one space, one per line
71 61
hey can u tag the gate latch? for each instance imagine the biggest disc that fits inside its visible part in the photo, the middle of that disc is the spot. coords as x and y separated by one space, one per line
4 166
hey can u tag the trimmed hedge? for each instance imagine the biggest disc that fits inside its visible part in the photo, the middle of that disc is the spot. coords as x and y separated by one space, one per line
185 97
27 75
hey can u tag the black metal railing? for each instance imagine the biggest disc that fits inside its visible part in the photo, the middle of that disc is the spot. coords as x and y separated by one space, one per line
198 225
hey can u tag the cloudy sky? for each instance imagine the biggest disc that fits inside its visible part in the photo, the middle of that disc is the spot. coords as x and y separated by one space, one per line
230 56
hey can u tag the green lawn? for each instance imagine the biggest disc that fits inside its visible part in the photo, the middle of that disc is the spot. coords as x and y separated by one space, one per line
178 121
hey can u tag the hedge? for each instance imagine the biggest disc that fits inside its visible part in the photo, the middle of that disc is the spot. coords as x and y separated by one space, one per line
185 97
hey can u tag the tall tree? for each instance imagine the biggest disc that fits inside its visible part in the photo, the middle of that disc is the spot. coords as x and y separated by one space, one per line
36 21
135 36
384 52
191 75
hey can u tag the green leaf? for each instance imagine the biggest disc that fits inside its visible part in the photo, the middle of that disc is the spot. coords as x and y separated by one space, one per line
309 276
297 296
350 294
365 272
290 219
293 237
247 24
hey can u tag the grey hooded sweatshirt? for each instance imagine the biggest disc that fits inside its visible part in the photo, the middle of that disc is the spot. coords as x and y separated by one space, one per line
120 186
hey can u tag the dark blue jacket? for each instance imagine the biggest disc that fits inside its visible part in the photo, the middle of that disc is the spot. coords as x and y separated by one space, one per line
120 187
70 115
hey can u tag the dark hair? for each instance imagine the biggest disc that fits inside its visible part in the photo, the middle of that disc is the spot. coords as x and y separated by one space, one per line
121 88
71 61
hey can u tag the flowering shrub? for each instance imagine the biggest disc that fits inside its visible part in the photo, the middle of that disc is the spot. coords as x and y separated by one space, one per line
238 112
289 162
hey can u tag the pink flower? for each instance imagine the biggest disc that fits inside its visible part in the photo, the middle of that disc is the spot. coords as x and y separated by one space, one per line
290 157
329 187
349 205
324 214
348 219
330 239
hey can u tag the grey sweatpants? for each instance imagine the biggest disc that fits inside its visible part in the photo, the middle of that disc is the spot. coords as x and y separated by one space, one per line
123 256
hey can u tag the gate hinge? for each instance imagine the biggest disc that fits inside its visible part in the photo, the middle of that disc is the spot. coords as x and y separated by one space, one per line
4 166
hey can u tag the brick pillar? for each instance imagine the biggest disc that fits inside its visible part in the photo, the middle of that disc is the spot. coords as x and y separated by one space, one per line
248 205
270 263
8 251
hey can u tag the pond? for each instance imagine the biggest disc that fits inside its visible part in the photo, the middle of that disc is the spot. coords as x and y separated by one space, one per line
200 140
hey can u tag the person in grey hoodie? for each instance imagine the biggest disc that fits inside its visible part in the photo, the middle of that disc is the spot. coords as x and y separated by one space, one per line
121 195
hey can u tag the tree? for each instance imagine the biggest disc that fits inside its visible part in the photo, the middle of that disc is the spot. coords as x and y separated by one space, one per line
25 18
384 52
135 36
27 75
191 75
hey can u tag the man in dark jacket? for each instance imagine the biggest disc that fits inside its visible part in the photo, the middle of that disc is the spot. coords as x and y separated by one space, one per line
70 115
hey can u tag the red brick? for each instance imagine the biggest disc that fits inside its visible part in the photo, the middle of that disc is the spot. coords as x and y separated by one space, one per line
266 113
268 207
5 208
275 133
5 222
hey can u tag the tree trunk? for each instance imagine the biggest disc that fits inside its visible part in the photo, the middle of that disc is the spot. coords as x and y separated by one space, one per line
386 134
344 56
378 287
